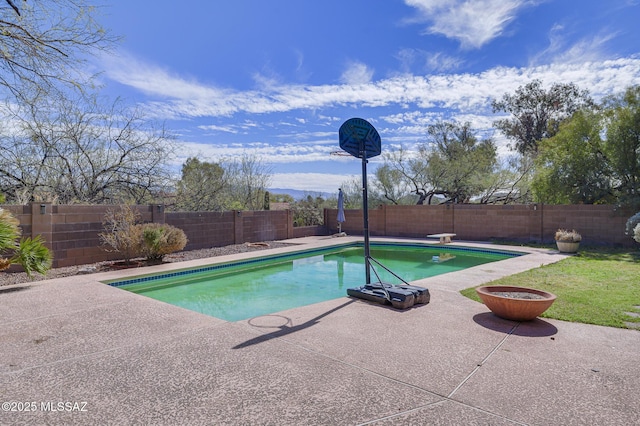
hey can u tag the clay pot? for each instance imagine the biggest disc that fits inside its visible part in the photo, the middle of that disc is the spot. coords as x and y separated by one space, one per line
516 308
567 247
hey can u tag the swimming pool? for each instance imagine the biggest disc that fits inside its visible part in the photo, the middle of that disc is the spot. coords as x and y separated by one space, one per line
240 290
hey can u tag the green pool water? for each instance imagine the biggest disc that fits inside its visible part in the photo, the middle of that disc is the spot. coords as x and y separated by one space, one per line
271 284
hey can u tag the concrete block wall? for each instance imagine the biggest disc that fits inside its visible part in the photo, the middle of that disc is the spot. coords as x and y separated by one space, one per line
204 229
418 221
71 232
507 222
598 224
264 225
74 232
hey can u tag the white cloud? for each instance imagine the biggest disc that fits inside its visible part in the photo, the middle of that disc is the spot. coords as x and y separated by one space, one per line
311 182
560 51
462 92
357 73
440 62
428 61
214 128
473 23
427 99
281 153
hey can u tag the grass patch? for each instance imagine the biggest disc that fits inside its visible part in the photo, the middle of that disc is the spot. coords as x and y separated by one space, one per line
598 286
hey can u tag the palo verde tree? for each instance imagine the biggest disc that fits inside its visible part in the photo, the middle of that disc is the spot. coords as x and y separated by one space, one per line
389 184
308 210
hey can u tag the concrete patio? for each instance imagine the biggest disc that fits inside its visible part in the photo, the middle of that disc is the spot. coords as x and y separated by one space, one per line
119 358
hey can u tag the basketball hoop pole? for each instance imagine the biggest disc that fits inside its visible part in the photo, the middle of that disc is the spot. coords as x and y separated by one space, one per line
365 215
360 139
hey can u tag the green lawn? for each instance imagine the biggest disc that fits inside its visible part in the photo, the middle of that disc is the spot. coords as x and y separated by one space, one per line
597 286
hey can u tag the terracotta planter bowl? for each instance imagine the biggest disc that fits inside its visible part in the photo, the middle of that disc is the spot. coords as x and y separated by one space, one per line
515 308
567 247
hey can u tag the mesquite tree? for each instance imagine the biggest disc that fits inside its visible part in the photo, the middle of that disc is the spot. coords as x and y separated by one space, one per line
44 43
536 113
75 150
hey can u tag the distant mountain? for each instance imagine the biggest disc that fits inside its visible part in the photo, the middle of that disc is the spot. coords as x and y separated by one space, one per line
298 194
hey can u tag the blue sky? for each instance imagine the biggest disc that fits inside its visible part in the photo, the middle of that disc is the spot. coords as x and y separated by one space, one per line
277 78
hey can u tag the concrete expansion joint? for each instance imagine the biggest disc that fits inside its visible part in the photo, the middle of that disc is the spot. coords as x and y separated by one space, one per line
484 360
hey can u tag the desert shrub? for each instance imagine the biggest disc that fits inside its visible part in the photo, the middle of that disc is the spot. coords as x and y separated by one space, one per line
566 236
160 239
122 235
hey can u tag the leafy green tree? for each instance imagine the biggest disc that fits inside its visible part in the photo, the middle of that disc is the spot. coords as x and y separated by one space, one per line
595 156
622 114
391 186
308 211
202 186
571 167
409 174
281 198
453 165
509 183
238 184
30 253
536 113
459 163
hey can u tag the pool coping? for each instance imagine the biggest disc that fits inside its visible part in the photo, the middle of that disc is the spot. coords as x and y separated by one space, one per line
133 360
259 258
297 244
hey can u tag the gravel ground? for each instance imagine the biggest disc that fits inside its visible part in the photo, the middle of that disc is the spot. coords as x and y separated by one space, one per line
9 278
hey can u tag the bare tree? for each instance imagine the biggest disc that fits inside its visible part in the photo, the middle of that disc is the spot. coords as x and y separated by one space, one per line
76 150
249 178
44 42
13 6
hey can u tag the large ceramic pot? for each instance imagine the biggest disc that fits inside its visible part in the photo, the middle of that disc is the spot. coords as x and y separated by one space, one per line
567 247
515 303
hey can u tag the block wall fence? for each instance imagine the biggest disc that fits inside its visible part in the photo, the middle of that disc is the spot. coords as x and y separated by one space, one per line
535 223
71 231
